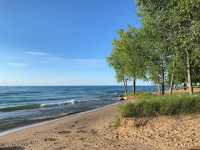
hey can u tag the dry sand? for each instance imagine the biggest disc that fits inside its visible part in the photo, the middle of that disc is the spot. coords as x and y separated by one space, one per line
88 131
95 131
163 133
195 90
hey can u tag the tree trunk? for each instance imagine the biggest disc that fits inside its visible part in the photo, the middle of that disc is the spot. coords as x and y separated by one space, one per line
163 79
126 80
158 83
134 85
125 85
158 87
189 74
172 78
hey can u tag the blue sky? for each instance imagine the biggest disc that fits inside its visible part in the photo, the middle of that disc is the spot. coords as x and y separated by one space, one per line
60 42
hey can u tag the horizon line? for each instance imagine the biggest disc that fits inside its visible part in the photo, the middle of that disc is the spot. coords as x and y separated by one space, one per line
70 85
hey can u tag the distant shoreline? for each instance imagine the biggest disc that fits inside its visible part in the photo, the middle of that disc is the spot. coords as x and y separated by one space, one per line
73 85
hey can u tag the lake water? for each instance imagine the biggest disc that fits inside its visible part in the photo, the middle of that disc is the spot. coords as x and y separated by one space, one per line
20 106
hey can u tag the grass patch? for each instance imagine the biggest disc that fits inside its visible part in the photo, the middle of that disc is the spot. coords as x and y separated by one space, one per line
171 105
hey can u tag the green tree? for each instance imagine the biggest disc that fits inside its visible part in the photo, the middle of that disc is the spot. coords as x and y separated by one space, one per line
157 42
178 23
133 47
118 61
185 22
128 50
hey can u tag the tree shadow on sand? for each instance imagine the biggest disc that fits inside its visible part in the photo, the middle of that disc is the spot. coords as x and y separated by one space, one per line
12 148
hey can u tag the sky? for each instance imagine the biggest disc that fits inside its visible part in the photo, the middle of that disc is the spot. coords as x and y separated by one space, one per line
60 42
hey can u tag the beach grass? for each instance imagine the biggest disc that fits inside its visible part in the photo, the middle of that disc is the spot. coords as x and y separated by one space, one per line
150 105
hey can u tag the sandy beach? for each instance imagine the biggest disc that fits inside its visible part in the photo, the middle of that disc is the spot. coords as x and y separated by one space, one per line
100 75
94 130
86 131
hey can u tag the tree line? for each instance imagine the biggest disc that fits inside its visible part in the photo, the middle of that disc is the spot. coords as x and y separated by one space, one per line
165 50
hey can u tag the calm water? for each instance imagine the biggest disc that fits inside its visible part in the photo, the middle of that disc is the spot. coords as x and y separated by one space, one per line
21 106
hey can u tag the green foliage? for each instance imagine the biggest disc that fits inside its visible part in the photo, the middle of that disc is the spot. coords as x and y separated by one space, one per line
162 105
170 34
179 71
127 57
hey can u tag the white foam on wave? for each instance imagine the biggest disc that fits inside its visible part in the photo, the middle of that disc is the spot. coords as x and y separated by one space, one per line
62 103
72 101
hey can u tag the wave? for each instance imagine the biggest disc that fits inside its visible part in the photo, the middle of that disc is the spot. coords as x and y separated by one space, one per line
38 106
59 103
20 107
18 93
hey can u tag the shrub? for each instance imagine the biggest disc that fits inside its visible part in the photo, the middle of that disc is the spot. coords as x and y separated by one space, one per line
161 105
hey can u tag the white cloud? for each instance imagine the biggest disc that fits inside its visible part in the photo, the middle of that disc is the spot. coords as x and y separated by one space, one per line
36 53
17 64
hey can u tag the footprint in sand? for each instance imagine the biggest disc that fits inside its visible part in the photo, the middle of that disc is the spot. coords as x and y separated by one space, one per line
12 148
64 132
72 126
93 132
81 131
50 139
82 138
